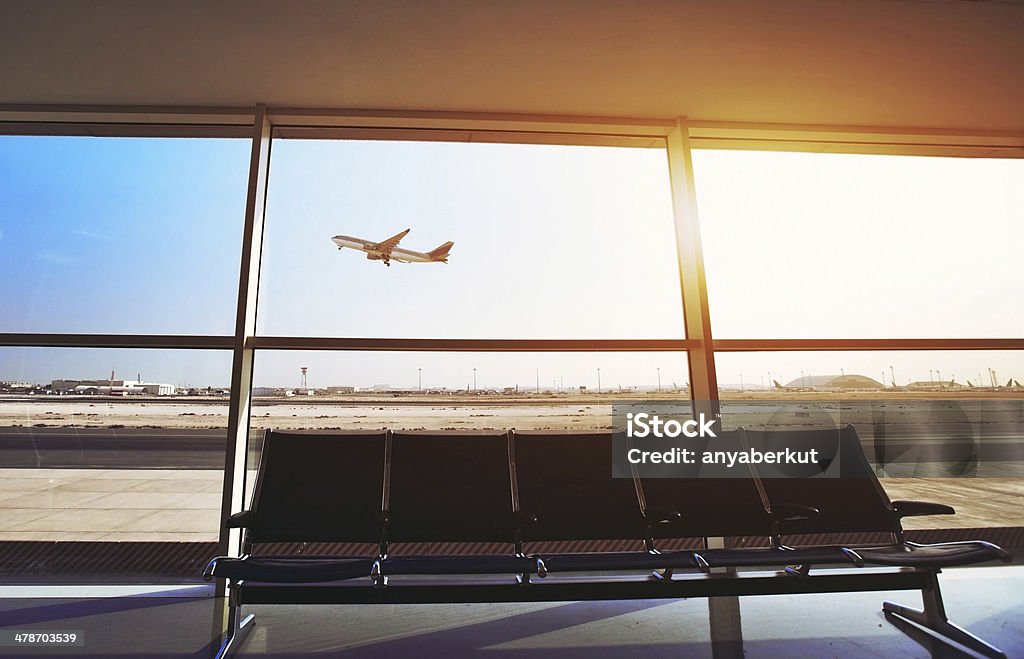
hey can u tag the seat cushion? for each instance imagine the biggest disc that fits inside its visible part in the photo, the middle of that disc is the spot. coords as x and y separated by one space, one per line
944 554
635 560
290 569
493 564
770 557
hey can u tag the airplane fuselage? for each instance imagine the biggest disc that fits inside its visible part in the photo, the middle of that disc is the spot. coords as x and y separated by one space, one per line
399 254
380 252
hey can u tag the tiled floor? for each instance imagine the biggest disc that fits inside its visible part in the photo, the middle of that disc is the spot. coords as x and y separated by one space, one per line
987 601
110 504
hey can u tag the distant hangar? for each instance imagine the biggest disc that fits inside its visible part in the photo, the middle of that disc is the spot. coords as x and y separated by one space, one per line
834 383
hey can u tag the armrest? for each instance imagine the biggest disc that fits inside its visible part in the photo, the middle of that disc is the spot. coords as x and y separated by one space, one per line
919 508
791 512
240 520
661 516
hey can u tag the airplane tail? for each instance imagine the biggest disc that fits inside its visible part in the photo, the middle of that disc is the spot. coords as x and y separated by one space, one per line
441 253
777 385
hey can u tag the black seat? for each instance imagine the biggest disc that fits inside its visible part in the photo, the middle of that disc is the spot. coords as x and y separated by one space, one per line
701 501
450 488
311 487
565 482
851 499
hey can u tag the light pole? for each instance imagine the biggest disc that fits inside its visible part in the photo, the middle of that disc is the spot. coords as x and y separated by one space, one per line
892 374
419 381
474 379
598 380
659 379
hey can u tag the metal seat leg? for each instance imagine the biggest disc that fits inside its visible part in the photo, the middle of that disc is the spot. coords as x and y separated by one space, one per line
238 627
932 620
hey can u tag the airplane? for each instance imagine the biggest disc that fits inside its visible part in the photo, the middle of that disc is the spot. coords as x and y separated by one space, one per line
781 387
388 250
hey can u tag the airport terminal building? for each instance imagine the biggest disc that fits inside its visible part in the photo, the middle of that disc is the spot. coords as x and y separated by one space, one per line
112 387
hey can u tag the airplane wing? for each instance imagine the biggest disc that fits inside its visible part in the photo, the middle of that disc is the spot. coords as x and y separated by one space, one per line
392 242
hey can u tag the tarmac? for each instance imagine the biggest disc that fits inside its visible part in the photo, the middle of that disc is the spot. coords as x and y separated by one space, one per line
97 469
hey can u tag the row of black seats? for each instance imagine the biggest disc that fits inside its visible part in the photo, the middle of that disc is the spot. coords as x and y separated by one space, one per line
522 487
519 488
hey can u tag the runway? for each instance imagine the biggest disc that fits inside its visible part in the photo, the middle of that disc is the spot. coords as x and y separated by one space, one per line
111 448
167 448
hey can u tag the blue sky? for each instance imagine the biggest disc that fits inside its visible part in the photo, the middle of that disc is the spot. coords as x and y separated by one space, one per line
142 236
120 236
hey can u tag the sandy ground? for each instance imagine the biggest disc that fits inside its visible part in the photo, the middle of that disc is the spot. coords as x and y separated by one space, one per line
322 415
489 412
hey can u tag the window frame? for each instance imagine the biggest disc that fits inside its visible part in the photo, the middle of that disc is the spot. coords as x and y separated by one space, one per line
262 124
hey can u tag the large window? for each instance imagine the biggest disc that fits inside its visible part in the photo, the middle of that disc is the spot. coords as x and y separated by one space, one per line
120 235
444 391
87 454
936 425
839 247
811 245
562 293
551 241
104 452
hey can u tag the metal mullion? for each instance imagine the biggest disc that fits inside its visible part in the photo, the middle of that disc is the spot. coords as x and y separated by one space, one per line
470 345
126 114
723 612
155 341
693 286
810 345
245 327
288 117
539 136
111 129
840 138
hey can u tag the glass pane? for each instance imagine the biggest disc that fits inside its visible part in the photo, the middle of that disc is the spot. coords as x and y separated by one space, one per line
88 455
452 391
549 241
810 245
950 430
120 235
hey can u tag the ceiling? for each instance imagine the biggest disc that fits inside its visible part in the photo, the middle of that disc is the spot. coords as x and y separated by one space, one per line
899 63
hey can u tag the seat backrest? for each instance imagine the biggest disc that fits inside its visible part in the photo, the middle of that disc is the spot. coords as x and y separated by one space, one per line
849 499
708 503
565 480
450 487
319 487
